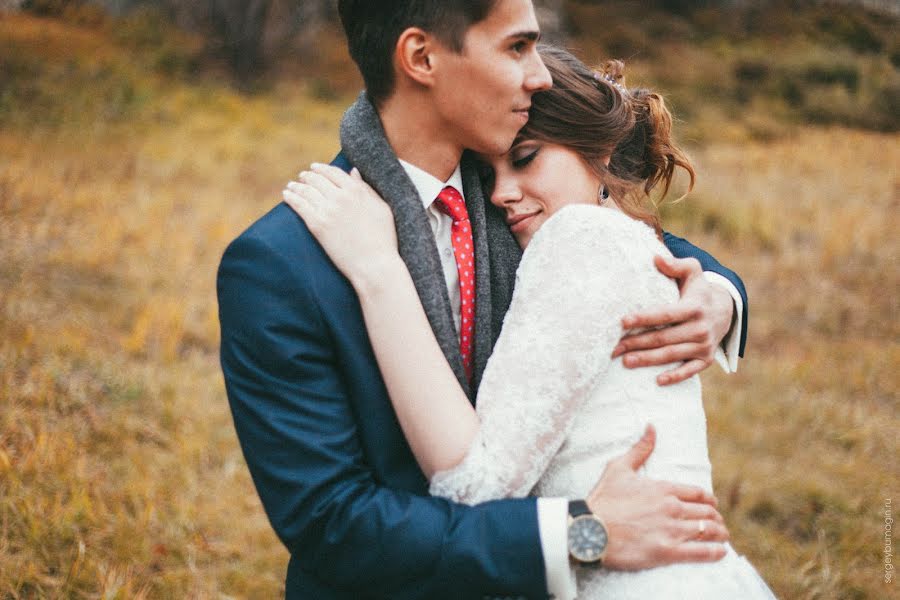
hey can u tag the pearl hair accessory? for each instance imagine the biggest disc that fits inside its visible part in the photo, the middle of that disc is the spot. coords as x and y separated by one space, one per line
610 80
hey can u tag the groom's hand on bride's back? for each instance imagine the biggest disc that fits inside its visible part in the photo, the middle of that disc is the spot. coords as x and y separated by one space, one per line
653 523
689 331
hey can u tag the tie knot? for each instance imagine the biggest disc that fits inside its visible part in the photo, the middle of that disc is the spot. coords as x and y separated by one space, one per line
451 202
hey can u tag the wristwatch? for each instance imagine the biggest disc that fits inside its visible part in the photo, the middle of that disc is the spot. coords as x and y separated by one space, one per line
587 536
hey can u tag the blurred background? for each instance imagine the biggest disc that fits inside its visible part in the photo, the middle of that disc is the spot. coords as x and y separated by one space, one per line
137 138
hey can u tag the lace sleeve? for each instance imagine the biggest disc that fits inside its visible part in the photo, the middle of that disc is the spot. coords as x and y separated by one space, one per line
583 271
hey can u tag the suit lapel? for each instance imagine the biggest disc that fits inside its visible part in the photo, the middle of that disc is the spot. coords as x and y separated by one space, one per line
365 145
504 256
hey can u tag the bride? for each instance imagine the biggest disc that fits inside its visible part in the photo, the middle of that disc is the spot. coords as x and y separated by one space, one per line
554 406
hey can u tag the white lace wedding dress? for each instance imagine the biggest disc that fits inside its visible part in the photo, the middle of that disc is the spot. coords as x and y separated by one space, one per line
554 408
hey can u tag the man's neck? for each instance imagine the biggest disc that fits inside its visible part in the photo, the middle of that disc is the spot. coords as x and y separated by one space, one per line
417 137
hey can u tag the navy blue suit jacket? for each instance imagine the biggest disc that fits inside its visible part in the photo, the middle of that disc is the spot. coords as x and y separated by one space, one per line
681 248
328 458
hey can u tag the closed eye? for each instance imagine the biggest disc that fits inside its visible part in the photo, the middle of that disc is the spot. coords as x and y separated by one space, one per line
523 161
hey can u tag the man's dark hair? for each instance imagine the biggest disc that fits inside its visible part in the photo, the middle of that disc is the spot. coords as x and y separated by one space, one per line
374 26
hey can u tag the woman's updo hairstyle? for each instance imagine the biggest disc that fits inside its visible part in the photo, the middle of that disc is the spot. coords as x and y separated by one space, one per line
649 154
592 113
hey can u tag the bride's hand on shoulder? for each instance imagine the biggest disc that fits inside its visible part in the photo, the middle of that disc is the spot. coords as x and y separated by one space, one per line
349 219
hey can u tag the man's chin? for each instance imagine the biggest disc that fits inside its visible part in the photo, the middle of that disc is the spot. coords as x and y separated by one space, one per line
501 146
497 145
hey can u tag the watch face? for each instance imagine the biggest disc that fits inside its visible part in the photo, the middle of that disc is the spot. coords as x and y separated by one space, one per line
587 538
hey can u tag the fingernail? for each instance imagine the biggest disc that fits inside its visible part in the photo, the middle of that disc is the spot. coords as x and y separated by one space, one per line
630 361
316 165
618 350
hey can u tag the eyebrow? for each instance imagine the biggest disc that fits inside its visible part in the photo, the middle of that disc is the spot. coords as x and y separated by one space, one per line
530 35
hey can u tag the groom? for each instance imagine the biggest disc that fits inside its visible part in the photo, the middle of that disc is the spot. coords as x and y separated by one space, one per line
334 472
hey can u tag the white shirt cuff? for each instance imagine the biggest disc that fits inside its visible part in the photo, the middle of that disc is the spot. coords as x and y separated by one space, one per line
727 352
553 516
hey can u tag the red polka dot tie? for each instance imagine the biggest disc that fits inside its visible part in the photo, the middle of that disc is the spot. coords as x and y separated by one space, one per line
451 202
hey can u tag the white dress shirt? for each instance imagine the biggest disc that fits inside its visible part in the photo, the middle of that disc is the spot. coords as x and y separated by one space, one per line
552 512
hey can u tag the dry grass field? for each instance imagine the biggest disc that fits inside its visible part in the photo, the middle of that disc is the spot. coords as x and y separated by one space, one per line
120 185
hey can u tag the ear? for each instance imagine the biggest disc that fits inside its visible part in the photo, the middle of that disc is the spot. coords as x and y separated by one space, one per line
415 55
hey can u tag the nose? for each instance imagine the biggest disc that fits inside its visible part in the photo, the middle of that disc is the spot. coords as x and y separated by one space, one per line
539 78
506 191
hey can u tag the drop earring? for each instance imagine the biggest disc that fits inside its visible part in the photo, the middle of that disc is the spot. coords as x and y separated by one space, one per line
603 194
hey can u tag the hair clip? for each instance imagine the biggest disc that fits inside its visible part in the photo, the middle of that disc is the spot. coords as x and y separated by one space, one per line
608 79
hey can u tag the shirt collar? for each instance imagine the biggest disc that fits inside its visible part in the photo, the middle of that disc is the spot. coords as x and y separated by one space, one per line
430 186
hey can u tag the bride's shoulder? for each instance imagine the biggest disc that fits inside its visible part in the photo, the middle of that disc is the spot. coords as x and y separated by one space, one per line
588 225
587 249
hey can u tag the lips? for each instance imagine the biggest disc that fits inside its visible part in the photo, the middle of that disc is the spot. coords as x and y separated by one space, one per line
517 222
522 112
